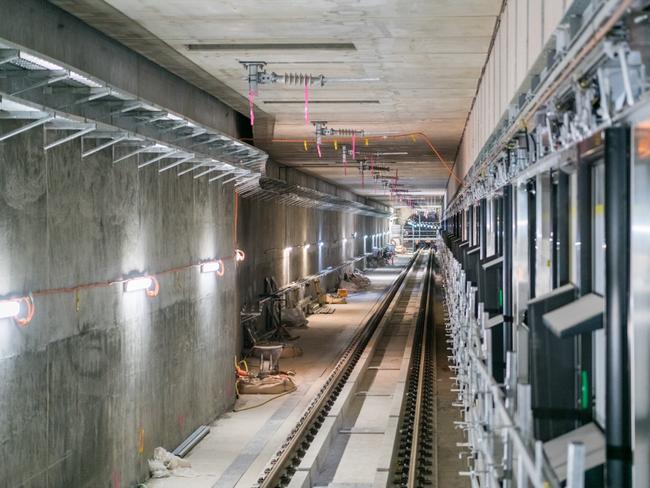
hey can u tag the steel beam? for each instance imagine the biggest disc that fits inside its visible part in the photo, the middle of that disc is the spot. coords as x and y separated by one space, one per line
98 148
69 138
167 154
134 152
176 163
26 127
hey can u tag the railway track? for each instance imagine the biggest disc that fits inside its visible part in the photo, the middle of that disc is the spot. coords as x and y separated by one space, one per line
373 421
416 460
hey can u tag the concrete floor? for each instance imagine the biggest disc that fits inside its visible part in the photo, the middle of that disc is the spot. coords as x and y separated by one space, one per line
354 456
241 443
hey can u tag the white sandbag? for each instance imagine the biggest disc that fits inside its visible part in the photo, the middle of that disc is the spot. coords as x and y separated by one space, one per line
164 463
269 385
348 285
294 317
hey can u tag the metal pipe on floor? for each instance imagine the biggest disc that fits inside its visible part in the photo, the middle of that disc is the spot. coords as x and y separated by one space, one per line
194 438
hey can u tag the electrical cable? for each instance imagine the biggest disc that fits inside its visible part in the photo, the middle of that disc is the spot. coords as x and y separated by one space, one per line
412 135
108 283
29 302
243 409
151 293
222 268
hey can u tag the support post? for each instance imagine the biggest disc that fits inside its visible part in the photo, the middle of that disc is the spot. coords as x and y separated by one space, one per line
617 258
483 228
507 207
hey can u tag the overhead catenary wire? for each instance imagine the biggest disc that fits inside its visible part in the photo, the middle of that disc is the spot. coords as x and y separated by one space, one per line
412 135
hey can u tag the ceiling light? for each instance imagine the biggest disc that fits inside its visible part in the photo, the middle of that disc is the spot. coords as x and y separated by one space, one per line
307 246
284 46
84 80
287 250
239 255
321 243
39 62
321 102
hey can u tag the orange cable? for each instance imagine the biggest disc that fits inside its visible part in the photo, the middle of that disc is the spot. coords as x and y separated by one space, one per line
156 288
29 302
108 283
378 137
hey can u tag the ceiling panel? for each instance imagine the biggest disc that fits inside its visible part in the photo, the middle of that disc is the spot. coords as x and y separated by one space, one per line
410 67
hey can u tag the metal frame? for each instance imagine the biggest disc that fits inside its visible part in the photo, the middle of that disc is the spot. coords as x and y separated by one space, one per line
43 92
617 231
105 117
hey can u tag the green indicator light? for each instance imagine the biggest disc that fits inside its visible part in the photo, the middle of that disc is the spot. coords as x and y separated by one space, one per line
584 389
500 297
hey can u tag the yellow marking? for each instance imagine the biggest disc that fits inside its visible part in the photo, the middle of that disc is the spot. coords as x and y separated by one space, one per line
305 144
599 209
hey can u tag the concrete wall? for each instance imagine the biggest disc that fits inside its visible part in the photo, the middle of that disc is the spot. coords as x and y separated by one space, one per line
266 228
525 28
100 377
40 26
96 368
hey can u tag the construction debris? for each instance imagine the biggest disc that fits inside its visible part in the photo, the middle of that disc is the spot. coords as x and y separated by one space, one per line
294 317
353 282
164 464
269 385
291 351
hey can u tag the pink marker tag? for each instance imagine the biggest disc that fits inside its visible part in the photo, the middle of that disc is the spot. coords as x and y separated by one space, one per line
251 110
306 103
354 146
320 155
116 479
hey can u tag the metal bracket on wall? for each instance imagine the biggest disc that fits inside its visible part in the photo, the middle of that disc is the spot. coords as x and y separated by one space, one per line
43 92
599 92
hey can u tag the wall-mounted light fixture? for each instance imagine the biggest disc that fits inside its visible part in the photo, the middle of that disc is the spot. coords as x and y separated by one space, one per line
148 283
239 255
287 250
365 237
307 246
321 243
344 240
9 309
215 266
21 310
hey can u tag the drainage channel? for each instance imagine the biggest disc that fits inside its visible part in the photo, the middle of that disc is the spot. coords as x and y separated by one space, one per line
372 354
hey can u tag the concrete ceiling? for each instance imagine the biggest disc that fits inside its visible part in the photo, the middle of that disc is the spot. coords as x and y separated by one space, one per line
427 57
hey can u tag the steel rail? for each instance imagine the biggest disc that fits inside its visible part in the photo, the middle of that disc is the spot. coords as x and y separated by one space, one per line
282 466
414 465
